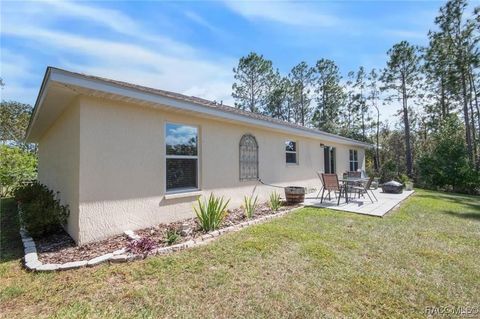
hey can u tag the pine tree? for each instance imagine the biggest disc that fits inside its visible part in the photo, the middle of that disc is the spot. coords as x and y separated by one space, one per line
277 97
373 98
349 112
300 79
361 101
330 96
252 80
401 78
462 35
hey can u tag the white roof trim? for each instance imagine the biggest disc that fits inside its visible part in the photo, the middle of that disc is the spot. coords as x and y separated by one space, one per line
65 77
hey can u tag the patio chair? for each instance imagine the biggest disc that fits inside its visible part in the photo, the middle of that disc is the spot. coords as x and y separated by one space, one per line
354 174
331 184
363 189
319 174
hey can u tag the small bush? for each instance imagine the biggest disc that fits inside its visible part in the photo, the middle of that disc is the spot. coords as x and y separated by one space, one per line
28 192
404 179
211 212
41 213
141 246
249 205
389 171
275 203
172 236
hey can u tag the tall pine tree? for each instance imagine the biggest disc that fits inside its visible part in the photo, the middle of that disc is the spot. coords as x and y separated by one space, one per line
330 96
401 79
252 82
300 78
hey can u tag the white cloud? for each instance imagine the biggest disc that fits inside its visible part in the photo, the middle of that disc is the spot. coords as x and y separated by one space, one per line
204 23
138 59
299 14
115 20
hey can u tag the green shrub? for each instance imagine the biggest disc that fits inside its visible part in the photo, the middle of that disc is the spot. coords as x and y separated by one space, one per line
28 192
446 166
404 179
211 212
389 171
41 212
249 205
275 203
172 236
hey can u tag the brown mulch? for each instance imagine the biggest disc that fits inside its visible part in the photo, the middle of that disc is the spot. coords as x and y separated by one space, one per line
60 248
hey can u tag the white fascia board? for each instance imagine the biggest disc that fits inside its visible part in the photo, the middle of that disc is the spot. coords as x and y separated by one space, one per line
57 75
38 103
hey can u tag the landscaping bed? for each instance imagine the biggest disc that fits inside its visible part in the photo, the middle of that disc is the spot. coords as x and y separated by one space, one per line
59 247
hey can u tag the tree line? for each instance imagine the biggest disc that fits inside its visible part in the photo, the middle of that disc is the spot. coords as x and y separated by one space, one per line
435 88
18 160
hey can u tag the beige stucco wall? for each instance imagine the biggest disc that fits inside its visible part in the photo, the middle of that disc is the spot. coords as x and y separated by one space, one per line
58 164
122 164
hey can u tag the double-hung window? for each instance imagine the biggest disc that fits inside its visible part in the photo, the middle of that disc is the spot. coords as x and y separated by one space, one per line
353 160
291 152
181 157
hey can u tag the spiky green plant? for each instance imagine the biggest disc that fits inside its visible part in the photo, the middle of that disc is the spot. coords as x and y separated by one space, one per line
249 205
211 212
275 203
172 236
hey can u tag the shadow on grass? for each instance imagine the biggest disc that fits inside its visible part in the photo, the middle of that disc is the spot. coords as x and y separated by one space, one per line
468 215
11 247
471 201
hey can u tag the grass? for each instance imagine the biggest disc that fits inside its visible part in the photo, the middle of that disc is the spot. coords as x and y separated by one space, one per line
311 263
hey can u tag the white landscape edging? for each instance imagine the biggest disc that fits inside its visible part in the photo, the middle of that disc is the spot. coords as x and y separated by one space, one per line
34 264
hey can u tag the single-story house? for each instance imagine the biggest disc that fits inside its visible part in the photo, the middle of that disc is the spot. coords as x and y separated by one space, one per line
125 156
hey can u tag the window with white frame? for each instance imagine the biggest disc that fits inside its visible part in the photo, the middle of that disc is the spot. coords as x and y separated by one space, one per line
353 160
291 152
248 151
181 157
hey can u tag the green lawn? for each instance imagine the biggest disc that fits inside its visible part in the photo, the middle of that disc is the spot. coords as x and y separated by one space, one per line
311 263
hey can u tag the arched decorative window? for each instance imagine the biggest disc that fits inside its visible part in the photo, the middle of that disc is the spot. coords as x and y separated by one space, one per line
248 158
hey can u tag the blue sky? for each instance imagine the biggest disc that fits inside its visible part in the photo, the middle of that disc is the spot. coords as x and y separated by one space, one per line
191 46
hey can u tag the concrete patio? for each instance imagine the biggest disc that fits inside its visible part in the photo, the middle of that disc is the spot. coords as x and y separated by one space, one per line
386 202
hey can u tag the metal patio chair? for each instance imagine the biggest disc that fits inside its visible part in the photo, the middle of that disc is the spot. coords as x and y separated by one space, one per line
363 189
331 184
319 174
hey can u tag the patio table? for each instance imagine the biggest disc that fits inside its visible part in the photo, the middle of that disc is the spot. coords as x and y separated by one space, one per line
350 180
